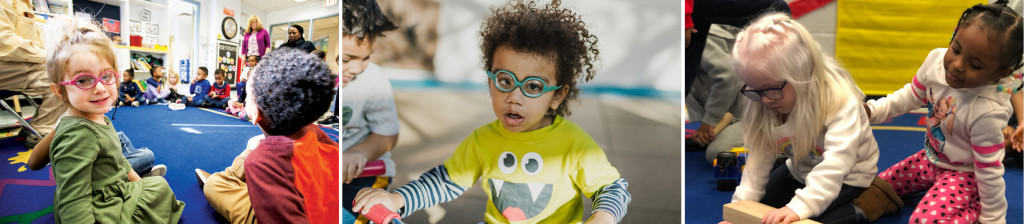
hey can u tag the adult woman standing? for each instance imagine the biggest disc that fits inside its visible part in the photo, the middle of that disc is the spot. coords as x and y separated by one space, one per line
257 40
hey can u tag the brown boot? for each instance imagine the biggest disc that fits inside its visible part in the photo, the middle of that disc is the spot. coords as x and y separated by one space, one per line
878 199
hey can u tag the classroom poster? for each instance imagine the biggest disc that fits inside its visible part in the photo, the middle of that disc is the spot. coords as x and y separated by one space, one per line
227 59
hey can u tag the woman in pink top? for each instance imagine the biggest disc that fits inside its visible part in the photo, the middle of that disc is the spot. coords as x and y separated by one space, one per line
257 40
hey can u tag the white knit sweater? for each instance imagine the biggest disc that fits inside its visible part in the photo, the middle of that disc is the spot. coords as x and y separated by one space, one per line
846 153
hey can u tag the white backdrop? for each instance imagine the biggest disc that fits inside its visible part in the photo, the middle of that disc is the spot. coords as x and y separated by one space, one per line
640 41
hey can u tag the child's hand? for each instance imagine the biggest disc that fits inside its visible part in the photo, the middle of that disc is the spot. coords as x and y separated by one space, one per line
1017 138
132 176
601 217
705 134
367 197
867 109
783 215
352 164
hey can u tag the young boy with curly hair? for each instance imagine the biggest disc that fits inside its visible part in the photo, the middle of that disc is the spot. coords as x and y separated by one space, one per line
534 164
292 175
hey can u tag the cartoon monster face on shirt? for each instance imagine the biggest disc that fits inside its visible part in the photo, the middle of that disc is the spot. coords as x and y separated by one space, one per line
520 201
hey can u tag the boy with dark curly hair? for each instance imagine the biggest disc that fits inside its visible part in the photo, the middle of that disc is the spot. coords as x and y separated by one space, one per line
369 120
292 175
534 164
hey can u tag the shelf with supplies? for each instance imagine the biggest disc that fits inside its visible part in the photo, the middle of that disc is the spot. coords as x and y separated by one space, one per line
143 49
52 7
141 59
145 3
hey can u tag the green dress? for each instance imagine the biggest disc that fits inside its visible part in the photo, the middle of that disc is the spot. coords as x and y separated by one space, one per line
92 179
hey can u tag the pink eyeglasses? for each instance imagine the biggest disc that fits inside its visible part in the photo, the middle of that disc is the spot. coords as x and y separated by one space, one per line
86 81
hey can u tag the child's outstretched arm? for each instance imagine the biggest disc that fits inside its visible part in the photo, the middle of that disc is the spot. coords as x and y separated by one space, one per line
913 95
755 174
1017 138
373 147
612 200
433 187
848 147
599 180
73 155
40 153
987 144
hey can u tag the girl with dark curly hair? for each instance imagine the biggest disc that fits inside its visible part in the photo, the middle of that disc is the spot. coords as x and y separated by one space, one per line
534 164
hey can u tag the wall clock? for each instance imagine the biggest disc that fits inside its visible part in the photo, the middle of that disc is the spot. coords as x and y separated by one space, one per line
229 27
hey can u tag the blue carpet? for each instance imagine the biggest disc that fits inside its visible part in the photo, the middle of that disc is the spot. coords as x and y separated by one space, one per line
895 145
182 140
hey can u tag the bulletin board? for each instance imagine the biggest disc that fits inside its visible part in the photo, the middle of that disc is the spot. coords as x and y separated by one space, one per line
227 59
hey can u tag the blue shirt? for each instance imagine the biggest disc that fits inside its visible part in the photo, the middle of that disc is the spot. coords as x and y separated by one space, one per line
131 89
200 89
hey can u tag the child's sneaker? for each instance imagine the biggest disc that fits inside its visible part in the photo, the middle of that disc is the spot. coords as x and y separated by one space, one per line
157 171
329 121
201 176
120 103
176 106
135 104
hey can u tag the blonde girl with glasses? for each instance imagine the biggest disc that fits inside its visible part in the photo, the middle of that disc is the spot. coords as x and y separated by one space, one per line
805 107
95 183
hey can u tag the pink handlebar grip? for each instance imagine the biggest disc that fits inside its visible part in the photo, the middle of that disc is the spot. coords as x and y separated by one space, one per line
373 168
380 214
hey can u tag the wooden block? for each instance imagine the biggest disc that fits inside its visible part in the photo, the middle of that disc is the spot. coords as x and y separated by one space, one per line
17 104
726 119
750 212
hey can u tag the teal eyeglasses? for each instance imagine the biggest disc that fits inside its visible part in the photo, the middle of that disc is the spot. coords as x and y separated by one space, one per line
532 87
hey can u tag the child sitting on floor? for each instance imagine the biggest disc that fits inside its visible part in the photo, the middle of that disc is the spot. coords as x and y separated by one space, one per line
802 104
534 56
198 88
141 159
175 91
292 176
156 88
219 92
966 89
95 183
130 92
236 106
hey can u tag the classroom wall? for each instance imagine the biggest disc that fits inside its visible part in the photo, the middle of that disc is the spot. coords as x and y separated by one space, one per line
212 13
879 73
308 10
822 24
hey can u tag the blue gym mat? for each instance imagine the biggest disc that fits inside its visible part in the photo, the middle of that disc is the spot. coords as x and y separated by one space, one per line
182 140
896 141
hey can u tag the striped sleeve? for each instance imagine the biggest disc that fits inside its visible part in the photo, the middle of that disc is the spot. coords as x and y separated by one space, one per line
613 198
433 187
987 147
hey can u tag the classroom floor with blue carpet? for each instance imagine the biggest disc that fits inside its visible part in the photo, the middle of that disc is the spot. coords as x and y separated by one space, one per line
896 140
182 140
